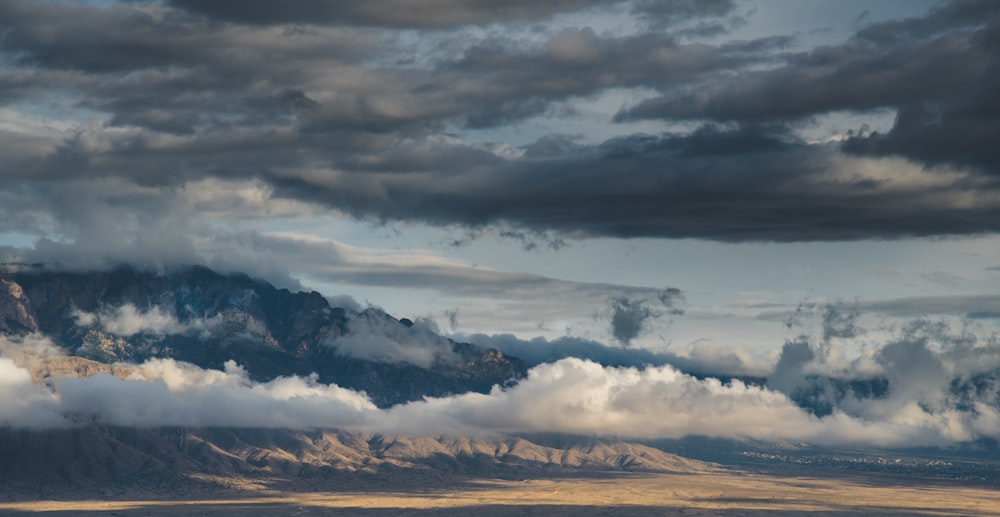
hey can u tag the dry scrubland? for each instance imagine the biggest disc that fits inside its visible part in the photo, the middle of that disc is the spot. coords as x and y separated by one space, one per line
693 493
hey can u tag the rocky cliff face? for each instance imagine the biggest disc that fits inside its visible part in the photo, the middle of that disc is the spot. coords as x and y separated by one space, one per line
16 313
205 318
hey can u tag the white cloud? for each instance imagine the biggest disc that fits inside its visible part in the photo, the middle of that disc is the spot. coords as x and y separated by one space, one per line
377 336
23 403
167 393
571 395
576 396
127 320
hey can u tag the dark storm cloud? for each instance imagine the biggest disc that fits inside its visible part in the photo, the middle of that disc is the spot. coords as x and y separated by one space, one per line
578 61
120 37
684 9
383 13
890 64
728 185
957 122
851 77
939 72
331 115
187 72
431 14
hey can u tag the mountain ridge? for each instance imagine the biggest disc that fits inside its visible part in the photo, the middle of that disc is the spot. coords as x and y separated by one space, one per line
176 459
196 315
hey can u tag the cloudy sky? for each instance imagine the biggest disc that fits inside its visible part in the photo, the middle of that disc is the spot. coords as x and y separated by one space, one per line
697 177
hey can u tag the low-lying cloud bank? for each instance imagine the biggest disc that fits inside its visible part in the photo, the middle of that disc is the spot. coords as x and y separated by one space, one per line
570 395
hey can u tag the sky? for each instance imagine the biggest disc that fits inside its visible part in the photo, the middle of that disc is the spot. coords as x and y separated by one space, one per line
701 178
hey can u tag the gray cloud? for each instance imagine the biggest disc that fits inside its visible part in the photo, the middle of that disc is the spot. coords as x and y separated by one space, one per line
442 14
937 72
629 317
829 78
840 321
329 116
671 298
717 184
530 294
674 10
921 373
384 13
921 306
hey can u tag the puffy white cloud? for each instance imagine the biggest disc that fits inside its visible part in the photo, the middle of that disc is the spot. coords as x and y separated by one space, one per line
165 393
570 395
576 396
23 403
579 396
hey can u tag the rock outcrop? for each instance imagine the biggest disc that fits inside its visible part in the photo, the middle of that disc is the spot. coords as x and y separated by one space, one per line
16 313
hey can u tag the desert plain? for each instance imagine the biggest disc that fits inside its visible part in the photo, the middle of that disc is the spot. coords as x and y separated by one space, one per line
715 492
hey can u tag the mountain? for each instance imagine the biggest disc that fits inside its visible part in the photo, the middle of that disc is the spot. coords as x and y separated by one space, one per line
93 460
175 459
196 315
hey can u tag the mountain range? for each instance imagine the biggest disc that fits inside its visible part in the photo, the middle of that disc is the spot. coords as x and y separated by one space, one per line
199 316
176 460
196 315
62 326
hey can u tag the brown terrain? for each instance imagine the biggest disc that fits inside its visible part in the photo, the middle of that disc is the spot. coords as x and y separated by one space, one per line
700 490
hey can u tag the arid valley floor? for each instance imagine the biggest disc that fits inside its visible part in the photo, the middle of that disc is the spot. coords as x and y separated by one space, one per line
709 492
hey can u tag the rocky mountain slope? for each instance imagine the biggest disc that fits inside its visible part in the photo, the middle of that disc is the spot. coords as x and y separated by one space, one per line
199 316
112 461
172 459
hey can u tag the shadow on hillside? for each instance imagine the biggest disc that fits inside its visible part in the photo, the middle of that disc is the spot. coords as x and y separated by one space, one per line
239 509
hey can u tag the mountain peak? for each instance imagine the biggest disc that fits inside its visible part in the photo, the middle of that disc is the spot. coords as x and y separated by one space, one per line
197 315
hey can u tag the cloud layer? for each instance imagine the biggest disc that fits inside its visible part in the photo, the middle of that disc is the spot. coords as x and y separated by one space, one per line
196 108
570 395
